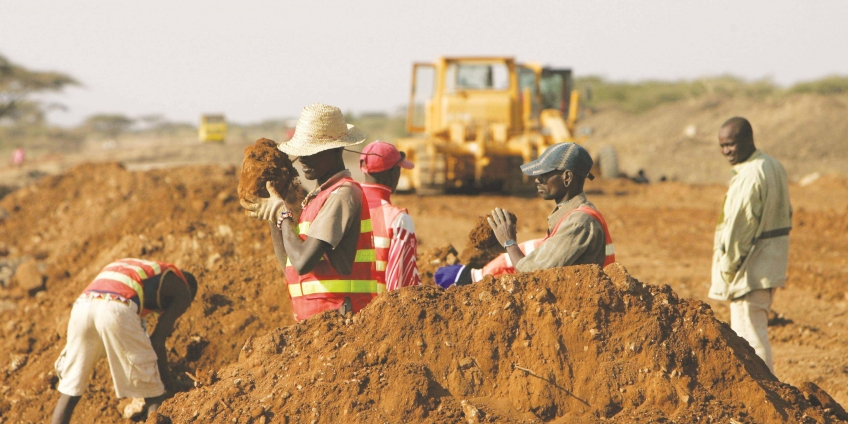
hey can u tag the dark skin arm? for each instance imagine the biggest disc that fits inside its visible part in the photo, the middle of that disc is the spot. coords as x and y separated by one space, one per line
175 289
303 254
279 248
64 409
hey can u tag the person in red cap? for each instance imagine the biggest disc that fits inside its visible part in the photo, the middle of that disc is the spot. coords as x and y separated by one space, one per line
394 234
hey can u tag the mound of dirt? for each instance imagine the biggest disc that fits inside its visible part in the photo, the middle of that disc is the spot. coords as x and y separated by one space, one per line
264 162
475 351
573 344
482 244
64 229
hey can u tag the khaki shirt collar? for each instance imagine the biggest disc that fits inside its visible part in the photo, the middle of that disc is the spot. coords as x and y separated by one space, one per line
738 167
335 178
564 207
327 184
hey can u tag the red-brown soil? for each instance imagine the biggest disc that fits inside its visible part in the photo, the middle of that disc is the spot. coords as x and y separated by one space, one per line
572 344
76 223
71 225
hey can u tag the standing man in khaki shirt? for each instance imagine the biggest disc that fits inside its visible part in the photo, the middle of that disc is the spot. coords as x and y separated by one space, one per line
751 247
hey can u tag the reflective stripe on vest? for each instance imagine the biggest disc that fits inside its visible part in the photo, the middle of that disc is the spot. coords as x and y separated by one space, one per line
364 227
364 255
306 288
382 242
324 286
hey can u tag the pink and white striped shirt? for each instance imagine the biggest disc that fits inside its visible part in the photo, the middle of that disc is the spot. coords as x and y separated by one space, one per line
394 238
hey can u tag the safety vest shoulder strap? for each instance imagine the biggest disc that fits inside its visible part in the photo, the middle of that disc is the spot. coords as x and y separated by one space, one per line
609 249
312 208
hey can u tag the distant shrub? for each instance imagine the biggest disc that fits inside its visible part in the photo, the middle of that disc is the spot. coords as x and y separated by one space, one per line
638 97
833 84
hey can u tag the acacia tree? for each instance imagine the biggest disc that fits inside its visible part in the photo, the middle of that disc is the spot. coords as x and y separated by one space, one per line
17 84
109 125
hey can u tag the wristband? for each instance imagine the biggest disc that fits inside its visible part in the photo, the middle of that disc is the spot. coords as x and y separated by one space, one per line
508 243
284 215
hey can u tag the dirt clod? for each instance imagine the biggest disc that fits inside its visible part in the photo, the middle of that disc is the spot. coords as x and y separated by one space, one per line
482 244
264 162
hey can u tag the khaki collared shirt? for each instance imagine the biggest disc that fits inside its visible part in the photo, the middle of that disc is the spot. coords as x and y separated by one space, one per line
749 252
579 239
338 222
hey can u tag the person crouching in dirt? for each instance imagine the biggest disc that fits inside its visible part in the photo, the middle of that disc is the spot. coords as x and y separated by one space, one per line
395 243
751 244
331 264
577 233
108 319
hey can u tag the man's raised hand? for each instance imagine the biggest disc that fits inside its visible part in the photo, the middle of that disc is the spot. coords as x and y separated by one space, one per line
265 209
502 225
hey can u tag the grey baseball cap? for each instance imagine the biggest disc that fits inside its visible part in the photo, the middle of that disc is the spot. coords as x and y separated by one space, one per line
559 157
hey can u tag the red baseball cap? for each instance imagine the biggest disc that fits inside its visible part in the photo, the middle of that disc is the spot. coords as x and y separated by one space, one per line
381 156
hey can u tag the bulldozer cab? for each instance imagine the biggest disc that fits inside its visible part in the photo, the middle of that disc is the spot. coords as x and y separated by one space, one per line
455 95
555 88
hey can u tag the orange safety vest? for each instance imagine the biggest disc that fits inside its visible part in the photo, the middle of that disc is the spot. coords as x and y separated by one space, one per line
323 288
503 265
383 214
124 278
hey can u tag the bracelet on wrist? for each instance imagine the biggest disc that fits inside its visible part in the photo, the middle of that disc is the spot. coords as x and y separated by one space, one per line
283 216
508 243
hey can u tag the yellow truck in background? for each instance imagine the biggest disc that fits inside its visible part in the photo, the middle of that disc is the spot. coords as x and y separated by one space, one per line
476 119
212 128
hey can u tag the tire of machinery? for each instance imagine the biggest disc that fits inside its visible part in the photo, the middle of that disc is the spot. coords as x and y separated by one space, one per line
608 162
432 180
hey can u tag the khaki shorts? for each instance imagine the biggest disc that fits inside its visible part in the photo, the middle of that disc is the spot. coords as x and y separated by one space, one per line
113 328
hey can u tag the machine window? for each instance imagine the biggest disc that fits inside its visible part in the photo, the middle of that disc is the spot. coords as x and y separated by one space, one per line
552 88
477 76
422 91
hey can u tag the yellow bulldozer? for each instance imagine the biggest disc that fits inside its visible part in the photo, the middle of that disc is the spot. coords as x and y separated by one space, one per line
212 128
476 119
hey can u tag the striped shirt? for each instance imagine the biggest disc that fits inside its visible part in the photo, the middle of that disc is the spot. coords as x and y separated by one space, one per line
401 269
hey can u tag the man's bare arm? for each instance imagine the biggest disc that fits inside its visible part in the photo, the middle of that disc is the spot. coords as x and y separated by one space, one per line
303 254
277 241
178 291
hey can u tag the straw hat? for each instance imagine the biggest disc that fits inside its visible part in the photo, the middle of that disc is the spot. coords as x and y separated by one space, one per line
321 127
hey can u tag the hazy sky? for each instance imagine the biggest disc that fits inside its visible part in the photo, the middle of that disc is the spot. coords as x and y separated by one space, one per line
264 59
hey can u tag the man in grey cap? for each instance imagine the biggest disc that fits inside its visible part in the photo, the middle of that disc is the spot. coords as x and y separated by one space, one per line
577 233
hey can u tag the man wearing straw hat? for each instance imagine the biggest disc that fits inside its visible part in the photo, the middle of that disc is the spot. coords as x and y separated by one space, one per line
330 263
